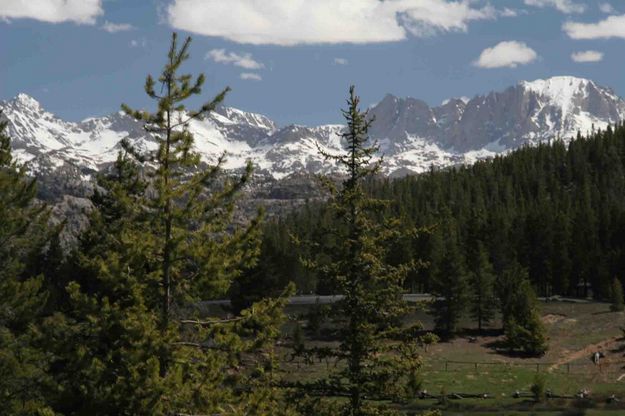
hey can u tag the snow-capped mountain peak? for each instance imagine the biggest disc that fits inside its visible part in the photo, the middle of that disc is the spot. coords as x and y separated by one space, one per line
527 113
27 101
235 116
569 104
557 88
562 91
412 135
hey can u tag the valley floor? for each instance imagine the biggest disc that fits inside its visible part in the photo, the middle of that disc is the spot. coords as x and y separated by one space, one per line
473 364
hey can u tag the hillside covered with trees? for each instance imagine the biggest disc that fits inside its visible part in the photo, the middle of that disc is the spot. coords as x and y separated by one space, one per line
557 210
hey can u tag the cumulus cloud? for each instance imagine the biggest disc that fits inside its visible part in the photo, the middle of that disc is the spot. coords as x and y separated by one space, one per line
508 54
587 56
565 6
428 17
250 76
606 8
52 11
340 61
611 27
293 22
244 60
116 27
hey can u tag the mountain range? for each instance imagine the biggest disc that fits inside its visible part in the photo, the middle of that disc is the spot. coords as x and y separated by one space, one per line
412 135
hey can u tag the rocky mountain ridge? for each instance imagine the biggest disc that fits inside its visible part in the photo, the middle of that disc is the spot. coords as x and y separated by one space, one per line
412 135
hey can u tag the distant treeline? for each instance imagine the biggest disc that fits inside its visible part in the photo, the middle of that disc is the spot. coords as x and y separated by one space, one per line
556 209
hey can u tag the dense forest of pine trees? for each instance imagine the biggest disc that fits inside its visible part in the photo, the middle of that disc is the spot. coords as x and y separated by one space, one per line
557 210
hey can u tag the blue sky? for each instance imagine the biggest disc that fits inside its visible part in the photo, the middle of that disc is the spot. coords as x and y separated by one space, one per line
293 60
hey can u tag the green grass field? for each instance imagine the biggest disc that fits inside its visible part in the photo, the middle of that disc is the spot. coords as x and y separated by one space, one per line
469 364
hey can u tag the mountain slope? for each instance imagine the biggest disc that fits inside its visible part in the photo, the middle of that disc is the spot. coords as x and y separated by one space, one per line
412 136
526 113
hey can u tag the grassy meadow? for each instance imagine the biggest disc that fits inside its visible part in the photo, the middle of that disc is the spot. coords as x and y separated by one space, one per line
474 364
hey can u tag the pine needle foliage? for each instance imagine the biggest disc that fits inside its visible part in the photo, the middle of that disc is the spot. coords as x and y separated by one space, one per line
482 302
522 324
450 285
617 303
23 235
162 239
376 359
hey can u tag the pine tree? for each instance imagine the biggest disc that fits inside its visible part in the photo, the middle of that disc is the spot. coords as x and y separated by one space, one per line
617 304
482 280
367 316
105 340
450 286
161 239
506 289
522 325
23 234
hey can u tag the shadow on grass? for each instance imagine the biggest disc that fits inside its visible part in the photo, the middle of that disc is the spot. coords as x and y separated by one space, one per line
521 408
618 349
603 312
470 334
500 347
487 332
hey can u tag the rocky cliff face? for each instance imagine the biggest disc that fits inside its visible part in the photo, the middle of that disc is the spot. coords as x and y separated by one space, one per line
527 113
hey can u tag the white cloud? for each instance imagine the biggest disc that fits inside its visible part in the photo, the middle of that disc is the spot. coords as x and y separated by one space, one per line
507 12
116 27
587 56
250 76
52 11
427 17
606 8
244 60
293 22
136 43
506 55
565 6
611 27
340 61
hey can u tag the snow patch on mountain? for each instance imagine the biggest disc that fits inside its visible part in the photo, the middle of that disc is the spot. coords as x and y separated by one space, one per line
569 104
561 91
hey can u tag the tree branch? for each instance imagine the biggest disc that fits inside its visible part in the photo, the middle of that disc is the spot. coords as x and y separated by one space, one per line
209 323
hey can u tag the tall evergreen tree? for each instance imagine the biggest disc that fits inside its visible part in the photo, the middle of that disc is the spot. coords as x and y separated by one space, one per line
23 235
617 304
450 285
522 325
368 314
482 282
162 238
105 340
